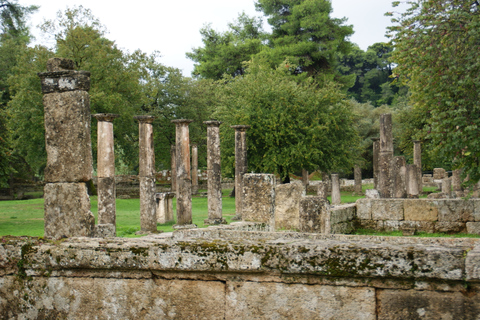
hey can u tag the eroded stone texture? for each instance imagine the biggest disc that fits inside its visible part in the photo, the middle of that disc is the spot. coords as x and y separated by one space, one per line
387 209
298 301
259 198
322 190
357 172
336 197
67 137
314 215
241 165
385 156
194 169
376 155
341 219
447 187
67 211
457 183
412 181
364 209
287 205
148 216
106 200
164 207
457 210
439 174
399 177
214 174
417 160
415 210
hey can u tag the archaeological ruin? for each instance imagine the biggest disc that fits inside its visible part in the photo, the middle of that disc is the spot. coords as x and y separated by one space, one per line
291 255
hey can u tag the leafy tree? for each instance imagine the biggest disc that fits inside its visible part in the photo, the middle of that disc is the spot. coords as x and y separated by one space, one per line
224 53
436 44
12 19
294 125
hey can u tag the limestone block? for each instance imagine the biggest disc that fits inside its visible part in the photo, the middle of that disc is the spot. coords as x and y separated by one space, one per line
420 210
472 264
341 214
424 226
439 174
106 201
314 215
372 194
391 225
105 231
411 304
387 209
258 198
450 227
476 209
455 210
473 227
67 211
62 81
287 205
364 209
148 216
342 228
67 137
248 300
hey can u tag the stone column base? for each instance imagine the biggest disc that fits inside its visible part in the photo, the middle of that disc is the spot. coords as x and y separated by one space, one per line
105 231
216 221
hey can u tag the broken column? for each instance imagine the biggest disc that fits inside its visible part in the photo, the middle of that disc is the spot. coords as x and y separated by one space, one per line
240 166
417 160
259 198
385 156
164 210
148 219
305 179
322 190
376 154
399 171
184 180
357 175
411 181
194 169
457 183
214 174
69 150
336 198
314 215
106 172
173 170
447 187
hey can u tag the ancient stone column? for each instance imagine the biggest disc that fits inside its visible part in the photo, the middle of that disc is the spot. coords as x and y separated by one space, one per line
336 198
417 160
412 182
106 170
357 174
322 190
164 207
173 169
240 166
148 219
457 183
399 171
376 155
305 178
184 180
69 150
447 187
385 156
194 169
214 174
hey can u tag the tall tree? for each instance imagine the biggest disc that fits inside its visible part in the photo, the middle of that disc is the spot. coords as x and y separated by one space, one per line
294 124
13 17
436 45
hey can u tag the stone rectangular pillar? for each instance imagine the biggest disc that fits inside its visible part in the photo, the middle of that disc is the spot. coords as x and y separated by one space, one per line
376 155
173 169
164 210
385 156
214 174
447 187
240 166
336 197
259 198
417 160
314 215
148 219
106 172
194 169
357 174
69 150
305 178
399 171
457 183
287 205
184 179
412 182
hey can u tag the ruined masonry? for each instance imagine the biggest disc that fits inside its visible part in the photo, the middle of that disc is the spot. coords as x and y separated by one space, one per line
240 166
69 152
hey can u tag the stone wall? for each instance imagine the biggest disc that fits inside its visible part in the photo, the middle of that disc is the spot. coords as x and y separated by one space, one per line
428 215
219 273
342 219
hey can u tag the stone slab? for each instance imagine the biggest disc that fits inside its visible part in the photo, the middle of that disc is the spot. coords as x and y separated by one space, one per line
249 300
458 210
387 209
364 209
420 210
473 227
67 211
314 215
287 205
258 198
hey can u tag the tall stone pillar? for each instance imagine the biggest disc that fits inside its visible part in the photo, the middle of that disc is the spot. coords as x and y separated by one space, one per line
322 190
457 183
412 182
69 150
184 180
336 198
385 156
399 177
148 217
194 169
173 169
240 166
357 175
305 178
447 187
214 174
106 170
417 160
376 155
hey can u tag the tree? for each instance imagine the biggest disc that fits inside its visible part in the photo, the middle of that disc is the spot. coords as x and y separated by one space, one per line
436 45
294 125
224 53
12 19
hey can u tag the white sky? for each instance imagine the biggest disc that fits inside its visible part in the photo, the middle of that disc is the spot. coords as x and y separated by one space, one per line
172 27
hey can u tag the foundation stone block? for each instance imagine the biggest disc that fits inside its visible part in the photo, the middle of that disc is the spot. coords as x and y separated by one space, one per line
314 215
455 210
387 209
364 209
258 198
420 210
287 205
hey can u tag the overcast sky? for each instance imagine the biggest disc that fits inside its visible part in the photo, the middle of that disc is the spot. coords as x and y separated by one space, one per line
172 27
